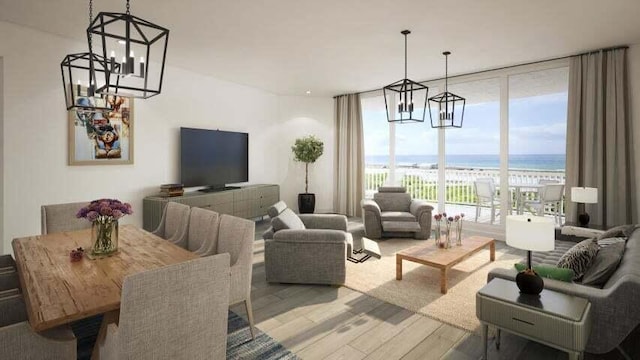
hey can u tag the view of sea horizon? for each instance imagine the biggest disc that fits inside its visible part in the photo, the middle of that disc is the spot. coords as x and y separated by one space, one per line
476 161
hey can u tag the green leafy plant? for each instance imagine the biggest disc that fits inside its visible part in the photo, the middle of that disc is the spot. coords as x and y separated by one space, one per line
307 150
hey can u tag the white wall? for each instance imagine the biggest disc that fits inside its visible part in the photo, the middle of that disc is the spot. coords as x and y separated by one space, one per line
633 57
301 116
35 133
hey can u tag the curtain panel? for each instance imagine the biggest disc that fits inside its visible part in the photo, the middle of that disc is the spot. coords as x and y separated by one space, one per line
349 172
599 137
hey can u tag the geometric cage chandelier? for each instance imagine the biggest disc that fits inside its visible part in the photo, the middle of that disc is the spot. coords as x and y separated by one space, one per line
449 105
81 74
406 93
119 38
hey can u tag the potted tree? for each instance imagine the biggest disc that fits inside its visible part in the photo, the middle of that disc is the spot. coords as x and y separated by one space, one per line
307 150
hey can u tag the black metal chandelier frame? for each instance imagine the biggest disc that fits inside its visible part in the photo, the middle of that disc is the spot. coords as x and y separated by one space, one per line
447 103
116 80
406 89
84 100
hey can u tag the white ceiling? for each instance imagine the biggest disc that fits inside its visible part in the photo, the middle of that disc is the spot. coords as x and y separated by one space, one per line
339 46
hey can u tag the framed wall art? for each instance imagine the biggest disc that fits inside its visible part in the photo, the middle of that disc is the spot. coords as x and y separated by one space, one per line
102 138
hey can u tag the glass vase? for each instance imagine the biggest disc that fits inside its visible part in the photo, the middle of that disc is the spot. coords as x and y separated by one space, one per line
459 233
104 238
447 243
438 235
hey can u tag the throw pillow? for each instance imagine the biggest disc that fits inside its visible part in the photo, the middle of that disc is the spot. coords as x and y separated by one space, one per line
618 231
604 264
579 257
287 220
549 272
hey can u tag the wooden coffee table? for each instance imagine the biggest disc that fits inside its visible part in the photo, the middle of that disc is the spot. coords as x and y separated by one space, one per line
444 259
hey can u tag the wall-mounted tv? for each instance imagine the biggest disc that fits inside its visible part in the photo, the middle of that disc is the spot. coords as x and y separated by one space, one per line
213 158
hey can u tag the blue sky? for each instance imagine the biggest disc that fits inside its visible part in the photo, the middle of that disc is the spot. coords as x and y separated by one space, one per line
537 125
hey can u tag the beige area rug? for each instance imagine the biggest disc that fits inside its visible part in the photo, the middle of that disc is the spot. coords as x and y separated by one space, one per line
419 289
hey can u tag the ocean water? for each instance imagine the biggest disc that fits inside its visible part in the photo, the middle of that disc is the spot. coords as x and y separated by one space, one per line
474 161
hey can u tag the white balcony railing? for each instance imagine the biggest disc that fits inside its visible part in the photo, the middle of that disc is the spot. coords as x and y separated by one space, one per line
422 183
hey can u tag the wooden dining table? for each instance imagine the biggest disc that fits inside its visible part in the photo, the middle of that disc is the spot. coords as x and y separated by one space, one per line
58 291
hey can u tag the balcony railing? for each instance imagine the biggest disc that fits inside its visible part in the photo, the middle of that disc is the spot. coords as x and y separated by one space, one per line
422 183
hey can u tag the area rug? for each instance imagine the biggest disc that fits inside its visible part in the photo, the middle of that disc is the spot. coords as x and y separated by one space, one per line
419 289
239 343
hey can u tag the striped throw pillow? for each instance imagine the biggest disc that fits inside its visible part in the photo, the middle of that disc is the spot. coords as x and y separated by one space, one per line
579 257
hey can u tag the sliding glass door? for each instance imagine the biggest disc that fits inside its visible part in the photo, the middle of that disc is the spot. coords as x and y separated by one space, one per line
514 132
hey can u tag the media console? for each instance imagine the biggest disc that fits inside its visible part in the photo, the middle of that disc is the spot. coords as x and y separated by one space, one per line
248 202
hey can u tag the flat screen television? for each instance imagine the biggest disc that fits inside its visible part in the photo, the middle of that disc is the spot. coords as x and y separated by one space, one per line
213 158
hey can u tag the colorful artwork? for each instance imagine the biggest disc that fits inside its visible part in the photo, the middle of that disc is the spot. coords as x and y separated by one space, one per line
97 138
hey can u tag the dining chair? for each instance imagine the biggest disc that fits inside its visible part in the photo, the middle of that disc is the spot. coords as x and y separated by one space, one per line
486 195
57 218
211 233
236 237
19 341
178 311
7 263
552 194
174 224
9 284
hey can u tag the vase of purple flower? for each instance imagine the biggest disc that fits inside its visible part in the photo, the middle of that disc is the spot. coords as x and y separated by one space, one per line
104 215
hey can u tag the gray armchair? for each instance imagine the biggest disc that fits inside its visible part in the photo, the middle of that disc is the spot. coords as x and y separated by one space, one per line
306 249
178 311
19 341
392 213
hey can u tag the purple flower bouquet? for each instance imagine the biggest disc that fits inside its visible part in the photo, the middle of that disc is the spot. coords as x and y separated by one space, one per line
104 215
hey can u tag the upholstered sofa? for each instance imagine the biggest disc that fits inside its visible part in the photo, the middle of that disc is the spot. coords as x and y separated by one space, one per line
614 307
392 213
306 248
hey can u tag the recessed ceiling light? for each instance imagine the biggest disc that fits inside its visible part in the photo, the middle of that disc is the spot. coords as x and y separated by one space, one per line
308 92
121 42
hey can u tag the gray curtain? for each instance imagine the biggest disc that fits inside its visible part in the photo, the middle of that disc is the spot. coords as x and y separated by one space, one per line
349 172
599 137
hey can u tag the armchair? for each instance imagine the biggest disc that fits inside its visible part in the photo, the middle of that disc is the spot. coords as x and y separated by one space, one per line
309 249
392 213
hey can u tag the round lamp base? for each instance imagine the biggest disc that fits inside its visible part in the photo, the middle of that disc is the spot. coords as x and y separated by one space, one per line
529 282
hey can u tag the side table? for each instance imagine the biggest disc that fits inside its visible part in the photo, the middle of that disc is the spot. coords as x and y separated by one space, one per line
555 319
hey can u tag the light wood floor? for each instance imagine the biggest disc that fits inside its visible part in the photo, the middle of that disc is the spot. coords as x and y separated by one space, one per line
326 322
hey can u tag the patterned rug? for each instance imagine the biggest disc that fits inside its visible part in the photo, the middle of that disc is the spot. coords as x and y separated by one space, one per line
239 343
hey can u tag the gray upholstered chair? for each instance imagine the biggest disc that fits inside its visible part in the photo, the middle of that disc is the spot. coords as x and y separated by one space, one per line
178 311
211 233
62 217
392 213
306 249
174 225
19 341
9 284
7 264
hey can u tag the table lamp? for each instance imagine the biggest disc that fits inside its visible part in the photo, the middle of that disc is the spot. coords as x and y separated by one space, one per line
584 195
531 233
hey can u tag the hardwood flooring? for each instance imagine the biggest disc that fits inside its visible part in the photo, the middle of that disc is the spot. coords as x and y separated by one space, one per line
328 322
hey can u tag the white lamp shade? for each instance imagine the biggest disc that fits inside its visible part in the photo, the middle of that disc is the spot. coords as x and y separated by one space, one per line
584 195
527 232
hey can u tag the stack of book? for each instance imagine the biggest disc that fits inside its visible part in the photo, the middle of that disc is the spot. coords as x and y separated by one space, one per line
172 190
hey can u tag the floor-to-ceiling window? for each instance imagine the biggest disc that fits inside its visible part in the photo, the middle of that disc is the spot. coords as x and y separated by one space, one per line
537 140
472 152
514 131
376 143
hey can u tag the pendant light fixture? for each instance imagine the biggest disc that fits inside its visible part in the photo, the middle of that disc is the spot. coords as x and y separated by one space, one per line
81 74
449 105
120 37
405 93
